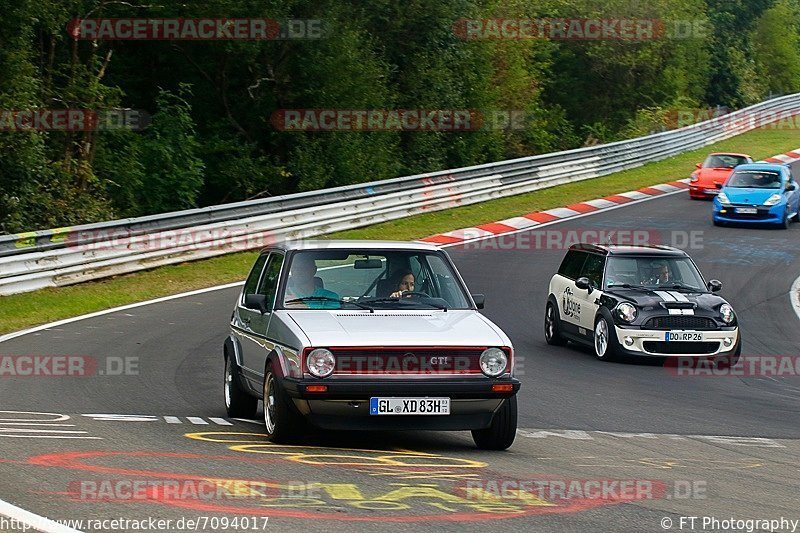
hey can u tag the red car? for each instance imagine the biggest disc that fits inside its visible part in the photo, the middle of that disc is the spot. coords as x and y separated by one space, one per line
706 181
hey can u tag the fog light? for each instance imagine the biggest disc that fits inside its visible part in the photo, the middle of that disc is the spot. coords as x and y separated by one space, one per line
502 387
727 341
628 341
316 388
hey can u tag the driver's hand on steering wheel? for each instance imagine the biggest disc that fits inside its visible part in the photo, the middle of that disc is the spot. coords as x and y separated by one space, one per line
396 294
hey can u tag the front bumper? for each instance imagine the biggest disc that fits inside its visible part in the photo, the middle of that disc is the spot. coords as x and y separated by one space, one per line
764 215
649 342
345 405
705 192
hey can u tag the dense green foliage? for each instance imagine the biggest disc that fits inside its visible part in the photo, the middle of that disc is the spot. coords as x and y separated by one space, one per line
211 139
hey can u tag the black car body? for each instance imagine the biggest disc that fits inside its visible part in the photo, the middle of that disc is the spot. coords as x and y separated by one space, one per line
639 301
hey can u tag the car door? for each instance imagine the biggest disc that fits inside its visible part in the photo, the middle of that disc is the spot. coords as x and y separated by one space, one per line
260 345
589 300
563 288
793 200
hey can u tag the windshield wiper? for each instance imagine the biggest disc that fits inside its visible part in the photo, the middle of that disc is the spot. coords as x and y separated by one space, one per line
623 285
398 300
328 299
682 286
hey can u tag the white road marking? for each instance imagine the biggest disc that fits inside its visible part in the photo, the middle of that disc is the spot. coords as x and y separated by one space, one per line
219 421
574 434
196 420
39 523
172 420
50 325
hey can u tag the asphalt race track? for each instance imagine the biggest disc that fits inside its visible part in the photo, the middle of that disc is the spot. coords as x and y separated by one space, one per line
704 446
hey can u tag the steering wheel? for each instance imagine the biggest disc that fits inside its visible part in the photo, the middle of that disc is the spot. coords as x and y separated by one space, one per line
415 293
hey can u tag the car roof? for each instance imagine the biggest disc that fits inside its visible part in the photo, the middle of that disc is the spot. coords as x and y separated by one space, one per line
631 249
321 244
730 153
773 167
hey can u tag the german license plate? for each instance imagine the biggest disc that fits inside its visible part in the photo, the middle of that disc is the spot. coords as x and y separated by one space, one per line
746 210
712 191
683 336
409 406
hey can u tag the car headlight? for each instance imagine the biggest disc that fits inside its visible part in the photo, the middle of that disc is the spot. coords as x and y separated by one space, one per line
693 178
723 198
727 313
774 199
493 362
321 362
627 312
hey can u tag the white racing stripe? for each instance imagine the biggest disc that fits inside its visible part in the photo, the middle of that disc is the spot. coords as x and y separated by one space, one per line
667 297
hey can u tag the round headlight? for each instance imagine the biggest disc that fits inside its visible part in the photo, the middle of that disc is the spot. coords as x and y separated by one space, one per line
321 362
727 313
493 362
626 312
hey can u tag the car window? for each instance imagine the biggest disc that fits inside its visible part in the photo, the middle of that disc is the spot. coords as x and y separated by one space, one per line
335 278
593 269
269 281
757 179
724 161
572 264
251 284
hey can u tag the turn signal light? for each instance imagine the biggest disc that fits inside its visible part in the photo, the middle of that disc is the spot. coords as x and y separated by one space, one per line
316 388
502 387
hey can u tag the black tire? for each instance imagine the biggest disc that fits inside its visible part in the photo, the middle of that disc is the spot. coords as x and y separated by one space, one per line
730 360
500 435
785 223
716 222
552 331
796 217
611 352
238 403
282 422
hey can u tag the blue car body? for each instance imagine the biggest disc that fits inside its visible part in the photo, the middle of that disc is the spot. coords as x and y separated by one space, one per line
758 193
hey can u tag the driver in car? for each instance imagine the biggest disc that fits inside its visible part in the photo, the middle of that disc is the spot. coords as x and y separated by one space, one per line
662 276
303 284
403 282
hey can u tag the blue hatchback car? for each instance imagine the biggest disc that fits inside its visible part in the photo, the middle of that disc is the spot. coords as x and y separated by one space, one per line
758 193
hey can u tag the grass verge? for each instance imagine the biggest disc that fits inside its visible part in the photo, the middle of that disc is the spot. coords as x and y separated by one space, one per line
23 310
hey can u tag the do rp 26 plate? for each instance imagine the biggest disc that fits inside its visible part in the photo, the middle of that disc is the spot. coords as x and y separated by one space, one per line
683 336
409 406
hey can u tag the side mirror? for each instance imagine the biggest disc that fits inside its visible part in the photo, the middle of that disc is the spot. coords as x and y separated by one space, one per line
699 165
718 185
583 283
715 285
256 302
480 300
791 186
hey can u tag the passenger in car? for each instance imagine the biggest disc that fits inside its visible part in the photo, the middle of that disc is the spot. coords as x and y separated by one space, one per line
303 284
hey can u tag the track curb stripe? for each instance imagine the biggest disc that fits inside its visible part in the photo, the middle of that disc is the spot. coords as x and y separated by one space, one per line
570 211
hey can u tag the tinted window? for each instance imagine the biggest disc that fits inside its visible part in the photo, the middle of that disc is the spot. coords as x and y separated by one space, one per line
252 280
572 263
593 269
269 283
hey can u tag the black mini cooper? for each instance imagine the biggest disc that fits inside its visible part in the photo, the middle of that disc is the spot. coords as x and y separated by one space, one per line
647 301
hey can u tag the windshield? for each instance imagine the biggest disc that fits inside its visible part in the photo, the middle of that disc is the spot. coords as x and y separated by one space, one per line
723 161
353 279
653 273
756 179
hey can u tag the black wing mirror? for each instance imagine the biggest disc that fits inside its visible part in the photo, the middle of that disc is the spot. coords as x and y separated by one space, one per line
480 300
791 186
583 283
715 285
256 302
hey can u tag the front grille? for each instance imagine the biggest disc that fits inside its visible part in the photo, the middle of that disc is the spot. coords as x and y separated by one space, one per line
680 322
681 348
730 212
407 360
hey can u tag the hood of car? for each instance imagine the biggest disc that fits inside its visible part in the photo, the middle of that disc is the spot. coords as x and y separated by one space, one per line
710 176
748 196
663 299
397 328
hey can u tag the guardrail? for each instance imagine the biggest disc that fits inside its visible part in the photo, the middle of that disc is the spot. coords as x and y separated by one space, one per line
64 256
